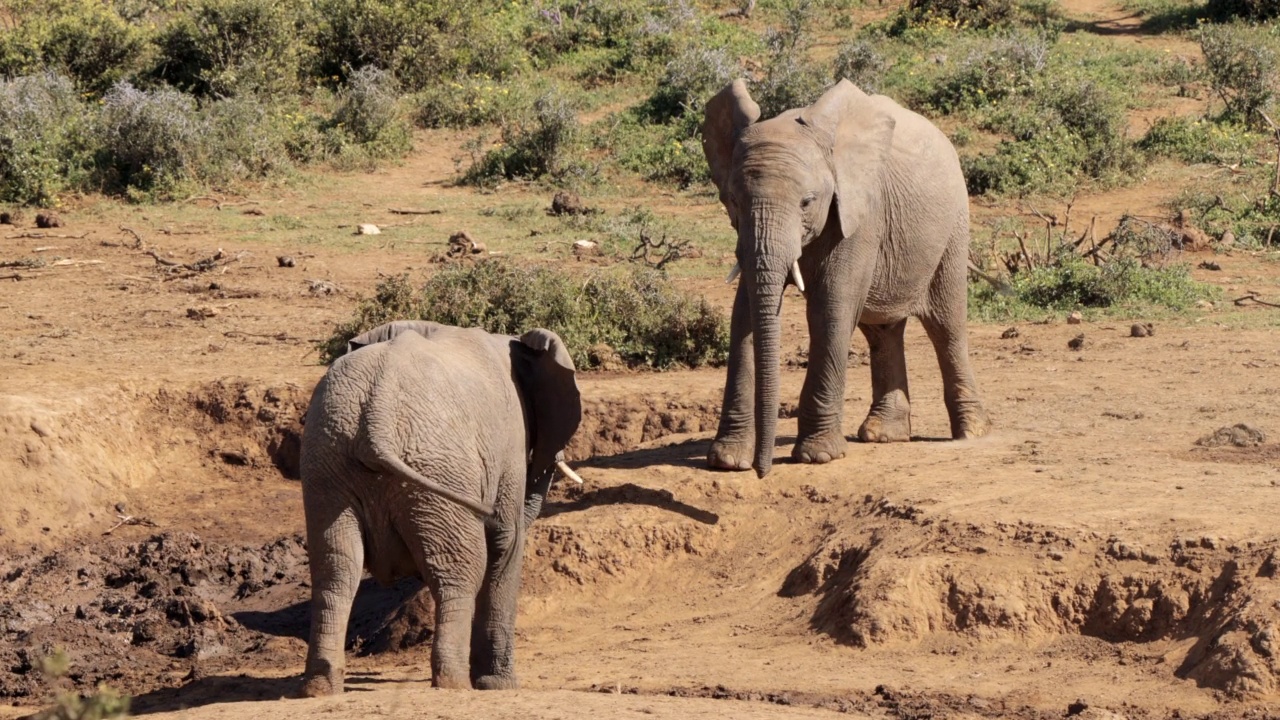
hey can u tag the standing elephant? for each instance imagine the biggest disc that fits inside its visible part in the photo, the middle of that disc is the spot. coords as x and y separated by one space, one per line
428 451
862 202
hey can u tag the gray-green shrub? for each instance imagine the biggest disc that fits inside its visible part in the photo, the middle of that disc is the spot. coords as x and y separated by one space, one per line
859 62
150 139
369 112
1242 68
45 138
689 80
636 312
538 145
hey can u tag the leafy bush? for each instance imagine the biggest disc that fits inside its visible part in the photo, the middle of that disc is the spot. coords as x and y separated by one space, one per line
535 146
791 79
1242 68
1198 141
1253 9
689 81
246 138
150 139
44 139
976 14
668 153
467 102
222 47
369 113
638 314
859 62
609 39
1002 68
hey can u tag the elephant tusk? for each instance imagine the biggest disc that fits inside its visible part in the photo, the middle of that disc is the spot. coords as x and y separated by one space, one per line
734 273
568 472
795 275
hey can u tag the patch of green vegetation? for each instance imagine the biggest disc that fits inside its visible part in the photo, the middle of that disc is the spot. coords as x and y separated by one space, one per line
1167 15
1251 213
539 144
1200 141
967 14
1242 65
632 313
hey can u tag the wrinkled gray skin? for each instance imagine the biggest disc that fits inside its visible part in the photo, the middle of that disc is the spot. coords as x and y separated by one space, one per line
870 199
427 452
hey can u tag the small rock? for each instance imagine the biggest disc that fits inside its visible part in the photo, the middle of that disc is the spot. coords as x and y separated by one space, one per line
40 429
48 220
1204 304
1075 318
1077 342
1210 265
1228 238
567 203
583 248
286 261
368 229
1142 330
462 244
1009 334
322 287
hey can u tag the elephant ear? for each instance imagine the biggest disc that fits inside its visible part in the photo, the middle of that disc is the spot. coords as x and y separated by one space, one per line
553 404
860 131
385 332
727 115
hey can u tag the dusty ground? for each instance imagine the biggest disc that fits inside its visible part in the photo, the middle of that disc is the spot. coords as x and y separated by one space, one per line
1087 558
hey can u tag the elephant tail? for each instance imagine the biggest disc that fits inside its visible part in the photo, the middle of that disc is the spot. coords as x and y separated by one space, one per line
393 464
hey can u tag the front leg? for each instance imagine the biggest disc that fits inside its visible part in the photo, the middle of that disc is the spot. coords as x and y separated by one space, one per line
838 290
734 446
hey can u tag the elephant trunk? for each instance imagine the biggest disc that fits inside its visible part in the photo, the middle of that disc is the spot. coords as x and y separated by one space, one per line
769 269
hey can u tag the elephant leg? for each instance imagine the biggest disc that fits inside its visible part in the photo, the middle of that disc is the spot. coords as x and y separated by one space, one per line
959 389
889 419
734 446
337 563
493 635
449 549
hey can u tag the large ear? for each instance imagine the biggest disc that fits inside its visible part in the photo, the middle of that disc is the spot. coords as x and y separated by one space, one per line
860 130
546 376
385 332
727 115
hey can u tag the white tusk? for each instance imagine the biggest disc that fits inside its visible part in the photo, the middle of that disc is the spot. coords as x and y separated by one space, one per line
795 275
734 273
568 472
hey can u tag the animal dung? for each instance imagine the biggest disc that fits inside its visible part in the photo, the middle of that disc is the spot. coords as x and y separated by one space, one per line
1142 330
1077 342
46 221
585 247
368 229
1009 333
286 261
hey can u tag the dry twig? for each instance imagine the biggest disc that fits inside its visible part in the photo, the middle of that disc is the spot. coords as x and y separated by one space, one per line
129 520
412 211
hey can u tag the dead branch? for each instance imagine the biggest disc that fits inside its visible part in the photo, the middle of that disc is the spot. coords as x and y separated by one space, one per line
17 277
412 211
46 236
280 336
185 270
1000 286
139 243
1252 297
46 248
129 520
1022 243
1275 181
666 250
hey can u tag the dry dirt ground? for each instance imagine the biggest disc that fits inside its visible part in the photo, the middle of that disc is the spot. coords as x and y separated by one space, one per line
1087 558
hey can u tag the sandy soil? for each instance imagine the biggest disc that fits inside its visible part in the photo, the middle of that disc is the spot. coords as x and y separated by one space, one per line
1087 558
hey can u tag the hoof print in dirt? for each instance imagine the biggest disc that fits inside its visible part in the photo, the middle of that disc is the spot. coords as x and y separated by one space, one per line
567 203
1239 435
1077 343
48 221
1142 330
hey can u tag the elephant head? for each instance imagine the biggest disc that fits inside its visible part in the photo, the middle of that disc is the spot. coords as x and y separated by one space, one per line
784 181
544 372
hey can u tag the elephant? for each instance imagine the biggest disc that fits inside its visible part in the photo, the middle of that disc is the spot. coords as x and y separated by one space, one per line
427 451
862 205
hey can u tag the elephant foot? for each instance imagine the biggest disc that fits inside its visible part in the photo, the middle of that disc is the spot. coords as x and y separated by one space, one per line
497 682
972 422
888 421
452 682
321 685
820 448
727 454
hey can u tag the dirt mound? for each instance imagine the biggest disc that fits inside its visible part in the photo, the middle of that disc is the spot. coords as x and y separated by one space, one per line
1239 435
907 576
616 425
253 425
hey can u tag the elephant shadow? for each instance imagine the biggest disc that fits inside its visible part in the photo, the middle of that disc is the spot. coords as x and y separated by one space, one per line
375 607
221 689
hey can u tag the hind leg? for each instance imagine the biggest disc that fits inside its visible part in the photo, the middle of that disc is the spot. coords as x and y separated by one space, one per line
944 320
889 419
337 562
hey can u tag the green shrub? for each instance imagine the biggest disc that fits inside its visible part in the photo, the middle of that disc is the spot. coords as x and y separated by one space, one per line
45 139
667 153
537 145
1198 141
419 41
859 62
222 47
1041 163
689 81
1252 9
369 113
637 313
1242 68
246 138
85 40
150 140
467 102
976 14
610 39
791 79
1003 67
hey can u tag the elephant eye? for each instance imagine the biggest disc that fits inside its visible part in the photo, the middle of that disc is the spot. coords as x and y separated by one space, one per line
807 201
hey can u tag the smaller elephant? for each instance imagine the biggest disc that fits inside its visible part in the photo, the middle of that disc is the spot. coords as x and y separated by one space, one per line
428 451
